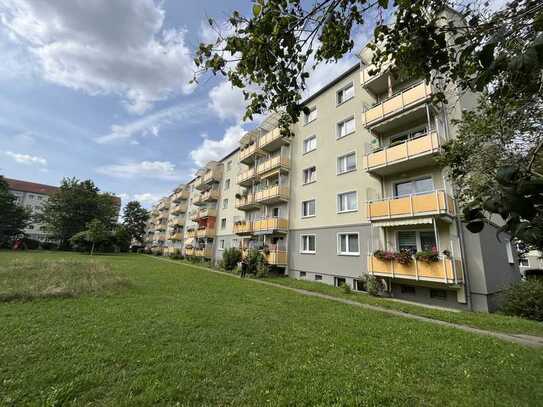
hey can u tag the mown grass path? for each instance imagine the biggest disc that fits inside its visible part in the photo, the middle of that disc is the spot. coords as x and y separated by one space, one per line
182 336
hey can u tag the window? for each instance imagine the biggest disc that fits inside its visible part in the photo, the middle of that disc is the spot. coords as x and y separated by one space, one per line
229 165
414 241
345 127
318 277
308 208
523 262
345 94
407 289
312 115
409 135
347 202
302 273
407 241
275 212
360 285
346 163
439 294
418 186
221 244
227 184
310 144
223 223
310 175
225 203
347 244
307 243
338 281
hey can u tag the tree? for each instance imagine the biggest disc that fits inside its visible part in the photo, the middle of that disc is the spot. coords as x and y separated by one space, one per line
270 56
135 218
13 218
97 233
122 238
73 206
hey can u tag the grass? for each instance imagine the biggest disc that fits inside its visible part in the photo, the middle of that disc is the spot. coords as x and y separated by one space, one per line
182 336
494 322
33 278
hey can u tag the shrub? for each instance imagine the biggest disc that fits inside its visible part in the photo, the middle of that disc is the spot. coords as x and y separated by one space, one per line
31 244
525 299
230 258
374 285
176 255
255 263
427 256
346 288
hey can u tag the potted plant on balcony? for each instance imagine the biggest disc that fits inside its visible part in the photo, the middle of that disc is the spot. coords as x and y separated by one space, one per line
404 257
427 256
384 255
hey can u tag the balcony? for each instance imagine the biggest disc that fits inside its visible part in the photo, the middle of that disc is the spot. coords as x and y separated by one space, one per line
272 140
212 175
199 183
160 226
176 236
437 202
191 233
247 153
189 251
178 209
272 195
270 225
246 203
277 257
176 222
180 196
397 103
246 178
448 271
210 196
277 162
162 215
405 156
203 213
243 228
164 206
205 252
206 232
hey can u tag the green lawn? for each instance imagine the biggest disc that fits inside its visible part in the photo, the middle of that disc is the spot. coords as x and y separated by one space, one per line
178 335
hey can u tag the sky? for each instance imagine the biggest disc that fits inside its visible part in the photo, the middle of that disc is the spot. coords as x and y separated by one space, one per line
100 90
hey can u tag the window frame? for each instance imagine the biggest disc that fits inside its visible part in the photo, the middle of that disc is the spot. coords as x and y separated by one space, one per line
342 122
348 253
306 116
302 250
226 184
225 203
342 89
315 177
417 237
412 180
225 223
222 244
339 157
312 137
347 210
314 206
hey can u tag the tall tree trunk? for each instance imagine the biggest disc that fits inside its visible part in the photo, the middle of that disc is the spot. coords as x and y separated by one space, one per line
92 248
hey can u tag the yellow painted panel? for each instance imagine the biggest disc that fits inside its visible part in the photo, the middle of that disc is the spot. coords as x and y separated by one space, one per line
378 209
420 145
415 94
425 203
376 159
392 105
400 206
396 153
374 113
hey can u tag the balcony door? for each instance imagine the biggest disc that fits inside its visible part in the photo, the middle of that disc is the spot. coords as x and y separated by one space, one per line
417 240
413 187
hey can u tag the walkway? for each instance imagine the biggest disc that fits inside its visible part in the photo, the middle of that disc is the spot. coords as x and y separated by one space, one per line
527 340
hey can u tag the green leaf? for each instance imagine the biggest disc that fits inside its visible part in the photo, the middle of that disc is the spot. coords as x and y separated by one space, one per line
257 8
383 3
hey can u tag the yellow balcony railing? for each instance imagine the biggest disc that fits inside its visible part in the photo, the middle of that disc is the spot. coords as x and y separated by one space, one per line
432 203
205 232
245 227
245 201
181 195
270 164
191 233
277 257
212 175
178 209
397 103
206 252
444 270
246 176
417 147
273 193
270 225
203 213
189 251
176 236
247 151
270 137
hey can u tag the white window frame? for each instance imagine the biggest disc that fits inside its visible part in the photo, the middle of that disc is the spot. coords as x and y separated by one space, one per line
225 203
302 250
347 210
225 223
346 155
338 136
338 242
314 205
314 137
342 89
412 180
306 116
227 184
314 178
417 236
221 244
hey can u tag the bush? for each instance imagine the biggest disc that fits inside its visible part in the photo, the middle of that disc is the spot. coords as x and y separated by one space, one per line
346 288
176 255
31 244
256 263
230 258
374 285
525 299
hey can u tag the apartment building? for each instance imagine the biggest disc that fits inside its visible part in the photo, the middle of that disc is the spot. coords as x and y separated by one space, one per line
32 196
356 188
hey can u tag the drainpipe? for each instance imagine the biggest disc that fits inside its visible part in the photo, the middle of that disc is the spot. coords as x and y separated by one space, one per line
467 284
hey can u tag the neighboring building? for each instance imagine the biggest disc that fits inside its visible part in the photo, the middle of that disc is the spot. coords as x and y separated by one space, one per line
356 183
531 263
32 196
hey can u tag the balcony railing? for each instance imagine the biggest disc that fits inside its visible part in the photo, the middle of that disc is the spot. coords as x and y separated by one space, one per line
246 176
191 233
179 222
246 202
203 213
181 195
179 208
270 164
275 193
277 257
206 232
420 146
210 196
176 236
444 270
247 152
206 252
189 251
437 202
270 225
244 227
212 175
397 103
271 139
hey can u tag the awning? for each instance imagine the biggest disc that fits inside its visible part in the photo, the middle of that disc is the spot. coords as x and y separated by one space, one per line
403 222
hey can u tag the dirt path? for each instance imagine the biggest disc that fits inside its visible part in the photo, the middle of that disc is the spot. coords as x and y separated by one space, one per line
526 340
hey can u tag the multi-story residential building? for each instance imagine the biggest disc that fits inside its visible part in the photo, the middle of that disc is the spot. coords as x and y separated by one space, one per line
531 263
356 187
32 196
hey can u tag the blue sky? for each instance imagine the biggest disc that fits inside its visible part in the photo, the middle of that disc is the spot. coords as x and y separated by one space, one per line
99 90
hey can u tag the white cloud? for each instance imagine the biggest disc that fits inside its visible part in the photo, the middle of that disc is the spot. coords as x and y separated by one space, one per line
148 198
26 158
151 124
104 47
147 169
227 102
217 149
